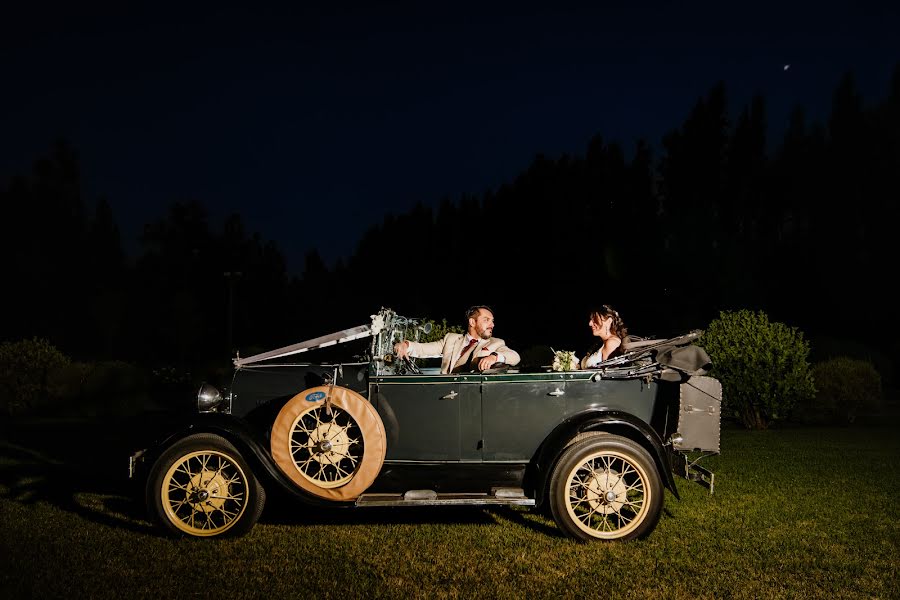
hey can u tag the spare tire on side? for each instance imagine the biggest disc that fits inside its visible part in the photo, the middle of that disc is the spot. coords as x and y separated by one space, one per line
332 450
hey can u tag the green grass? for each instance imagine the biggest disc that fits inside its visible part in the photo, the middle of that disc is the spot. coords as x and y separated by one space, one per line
797 513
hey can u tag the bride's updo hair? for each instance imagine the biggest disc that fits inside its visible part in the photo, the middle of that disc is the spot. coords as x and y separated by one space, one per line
617 326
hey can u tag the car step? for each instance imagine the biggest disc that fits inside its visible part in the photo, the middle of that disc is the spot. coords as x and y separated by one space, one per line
431 498
693 472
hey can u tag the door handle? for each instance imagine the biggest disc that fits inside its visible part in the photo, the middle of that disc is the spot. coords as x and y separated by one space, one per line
556 392
450 396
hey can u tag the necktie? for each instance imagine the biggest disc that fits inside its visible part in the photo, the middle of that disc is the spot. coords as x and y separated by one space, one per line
468 347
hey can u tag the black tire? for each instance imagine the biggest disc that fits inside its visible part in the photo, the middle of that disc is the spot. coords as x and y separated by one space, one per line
607 488
543 506
202 487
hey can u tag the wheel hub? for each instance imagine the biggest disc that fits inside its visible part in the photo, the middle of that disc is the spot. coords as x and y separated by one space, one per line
328 442
212 493
606 492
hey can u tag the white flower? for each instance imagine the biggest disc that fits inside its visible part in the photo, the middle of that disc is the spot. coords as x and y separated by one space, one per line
377 324
565 360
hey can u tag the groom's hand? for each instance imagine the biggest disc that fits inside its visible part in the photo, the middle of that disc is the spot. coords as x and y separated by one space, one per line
487 362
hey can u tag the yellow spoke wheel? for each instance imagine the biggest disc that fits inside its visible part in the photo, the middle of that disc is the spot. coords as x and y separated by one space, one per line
606 487
201 487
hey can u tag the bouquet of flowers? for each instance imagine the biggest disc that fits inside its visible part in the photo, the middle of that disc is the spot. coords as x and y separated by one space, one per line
565 360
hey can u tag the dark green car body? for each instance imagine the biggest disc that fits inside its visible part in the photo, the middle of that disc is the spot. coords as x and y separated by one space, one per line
465 438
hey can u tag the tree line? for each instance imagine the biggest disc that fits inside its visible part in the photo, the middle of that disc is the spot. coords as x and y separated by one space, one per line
721 220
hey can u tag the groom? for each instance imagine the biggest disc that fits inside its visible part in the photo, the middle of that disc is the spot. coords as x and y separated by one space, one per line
457 349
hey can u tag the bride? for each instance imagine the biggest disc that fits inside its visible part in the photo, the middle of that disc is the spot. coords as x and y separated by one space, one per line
606 324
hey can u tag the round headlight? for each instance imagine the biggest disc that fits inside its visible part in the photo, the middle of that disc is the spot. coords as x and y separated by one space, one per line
208 398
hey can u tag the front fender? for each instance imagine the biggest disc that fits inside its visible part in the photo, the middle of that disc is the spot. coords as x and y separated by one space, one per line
615 422
248 440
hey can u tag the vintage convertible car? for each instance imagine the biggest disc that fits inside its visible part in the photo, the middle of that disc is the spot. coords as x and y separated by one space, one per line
593 448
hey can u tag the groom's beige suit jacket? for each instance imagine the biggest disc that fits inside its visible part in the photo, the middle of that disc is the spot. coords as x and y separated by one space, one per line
449 347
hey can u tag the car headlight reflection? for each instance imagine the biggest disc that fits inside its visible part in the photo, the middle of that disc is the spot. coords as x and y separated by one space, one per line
208 398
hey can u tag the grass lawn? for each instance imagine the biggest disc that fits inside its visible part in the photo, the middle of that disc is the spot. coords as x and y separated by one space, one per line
797 513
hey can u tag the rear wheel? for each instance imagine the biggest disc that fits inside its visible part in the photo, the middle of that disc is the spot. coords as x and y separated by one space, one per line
543 506
606 488
202 487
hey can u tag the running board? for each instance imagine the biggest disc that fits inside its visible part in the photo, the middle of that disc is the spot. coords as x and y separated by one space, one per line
506 496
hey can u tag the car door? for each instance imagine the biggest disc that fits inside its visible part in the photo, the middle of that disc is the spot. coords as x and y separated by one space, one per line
421 415
518 412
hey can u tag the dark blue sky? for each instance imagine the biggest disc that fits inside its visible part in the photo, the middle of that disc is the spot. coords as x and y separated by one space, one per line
313 123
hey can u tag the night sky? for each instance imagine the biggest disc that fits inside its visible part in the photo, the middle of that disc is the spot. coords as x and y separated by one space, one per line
313 123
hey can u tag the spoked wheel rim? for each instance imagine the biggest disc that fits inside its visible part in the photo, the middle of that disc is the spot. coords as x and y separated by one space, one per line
205 493
327 449
351 460
609 495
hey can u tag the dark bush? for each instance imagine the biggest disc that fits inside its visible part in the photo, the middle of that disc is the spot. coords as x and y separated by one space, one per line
439 330
107 388
172 388
116 388
825 347
845 388
29 375
762 366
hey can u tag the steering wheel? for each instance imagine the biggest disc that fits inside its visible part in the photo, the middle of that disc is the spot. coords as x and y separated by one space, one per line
411 365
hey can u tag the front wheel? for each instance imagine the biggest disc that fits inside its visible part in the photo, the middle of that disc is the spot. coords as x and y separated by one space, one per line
606 488
202 487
